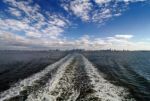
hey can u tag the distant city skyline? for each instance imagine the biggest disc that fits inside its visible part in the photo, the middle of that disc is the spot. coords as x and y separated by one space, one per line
75 24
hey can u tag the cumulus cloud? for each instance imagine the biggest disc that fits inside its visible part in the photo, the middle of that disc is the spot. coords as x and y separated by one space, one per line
101 1
106 1
34 19
125 37
14 11
32 22
106 9
80 8
118 41
32 28
104 43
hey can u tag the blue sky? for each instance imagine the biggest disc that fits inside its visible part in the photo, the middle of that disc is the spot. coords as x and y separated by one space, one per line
75 24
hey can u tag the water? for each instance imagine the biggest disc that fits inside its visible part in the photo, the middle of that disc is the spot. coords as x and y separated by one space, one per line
17 65
129 69
97 75
73 78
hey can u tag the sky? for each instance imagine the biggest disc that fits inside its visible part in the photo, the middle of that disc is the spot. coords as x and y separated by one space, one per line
74 24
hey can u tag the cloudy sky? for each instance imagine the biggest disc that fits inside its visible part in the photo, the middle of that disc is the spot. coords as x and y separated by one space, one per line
75 24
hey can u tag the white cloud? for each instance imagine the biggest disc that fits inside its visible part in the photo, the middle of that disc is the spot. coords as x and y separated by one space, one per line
85 10
43 31
15 12
81 8
132 0
119 42
33 23
101 15
38 28
123 37
105 9
101 1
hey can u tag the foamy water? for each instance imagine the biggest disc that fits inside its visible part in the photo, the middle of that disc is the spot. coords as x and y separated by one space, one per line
19 86
73 78
104 89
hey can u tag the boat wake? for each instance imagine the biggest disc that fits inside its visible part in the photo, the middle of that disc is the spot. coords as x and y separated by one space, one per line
72 78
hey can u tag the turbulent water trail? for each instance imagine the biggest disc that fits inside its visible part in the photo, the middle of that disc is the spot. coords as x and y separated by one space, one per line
82 83
104 89
73 78
54 85
21 90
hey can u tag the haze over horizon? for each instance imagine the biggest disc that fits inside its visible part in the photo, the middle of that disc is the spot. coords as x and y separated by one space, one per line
74 24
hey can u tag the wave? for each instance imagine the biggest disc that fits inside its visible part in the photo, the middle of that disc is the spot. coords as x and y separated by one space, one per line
73 78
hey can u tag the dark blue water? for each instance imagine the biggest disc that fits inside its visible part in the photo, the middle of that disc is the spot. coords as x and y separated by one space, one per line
17 65
129 69
123 68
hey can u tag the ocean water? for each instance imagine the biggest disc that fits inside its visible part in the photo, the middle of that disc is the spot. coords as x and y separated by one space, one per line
17 65
72 78
129 69
77 76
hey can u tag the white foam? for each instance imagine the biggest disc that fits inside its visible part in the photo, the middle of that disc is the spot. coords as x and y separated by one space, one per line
19 86
51 84
104 89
